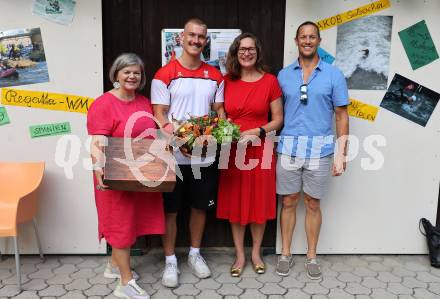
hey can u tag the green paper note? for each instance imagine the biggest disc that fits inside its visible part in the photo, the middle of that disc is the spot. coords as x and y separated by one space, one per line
49 129
4 118
418 45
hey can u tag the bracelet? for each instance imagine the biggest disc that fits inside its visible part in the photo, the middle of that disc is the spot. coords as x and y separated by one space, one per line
166 124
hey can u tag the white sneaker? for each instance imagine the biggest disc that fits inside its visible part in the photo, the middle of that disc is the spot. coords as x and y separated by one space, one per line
113 272
170 275
130 291
197 263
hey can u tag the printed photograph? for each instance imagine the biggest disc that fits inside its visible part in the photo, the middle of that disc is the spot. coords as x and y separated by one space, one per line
22 58
363 52
222 56
410 100
214 53
173 47
58 11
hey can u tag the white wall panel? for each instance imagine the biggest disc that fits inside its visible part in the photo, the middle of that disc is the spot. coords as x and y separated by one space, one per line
67 214
377 211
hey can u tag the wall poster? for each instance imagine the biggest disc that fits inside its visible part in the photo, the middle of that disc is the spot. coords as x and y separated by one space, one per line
215 51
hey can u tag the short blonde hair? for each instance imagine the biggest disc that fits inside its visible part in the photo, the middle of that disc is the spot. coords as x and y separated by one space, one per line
124 60
196 21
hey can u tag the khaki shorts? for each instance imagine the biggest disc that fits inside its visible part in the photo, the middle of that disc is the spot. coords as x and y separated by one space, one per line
296 174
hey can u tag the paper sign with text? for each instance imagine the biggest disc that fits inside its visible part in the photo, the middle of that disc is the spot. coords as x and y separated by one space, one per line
418 45
362 110
325 56
45 100
353 14
49 129
4 118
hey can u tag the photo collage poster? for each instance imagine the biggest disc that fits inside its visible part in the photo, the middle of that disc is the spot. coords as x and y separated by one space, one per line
215 52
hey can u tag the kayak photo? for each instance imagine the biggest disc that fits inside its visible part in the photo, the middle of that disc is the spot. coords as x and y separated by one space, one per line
22 57
410 100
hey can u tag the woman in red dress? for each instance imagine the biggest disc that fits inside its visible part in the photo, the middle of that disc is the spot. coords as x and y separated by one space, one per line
123 215
247 186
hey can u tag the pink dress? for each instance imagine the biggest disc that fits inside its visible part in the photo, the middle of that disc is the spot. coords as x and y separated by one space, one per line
124 215
248 196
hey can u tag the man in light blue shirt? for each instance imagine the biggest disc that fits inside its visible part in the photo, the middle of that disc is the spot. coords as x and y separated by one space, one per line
313 92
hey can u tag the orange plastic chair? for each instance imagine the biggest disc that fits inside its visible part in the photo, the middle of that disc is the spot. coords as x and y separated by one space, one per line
19 182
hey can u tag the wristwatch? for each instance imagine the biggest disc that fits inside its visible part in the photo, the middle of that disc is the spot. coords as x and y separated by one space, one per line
262 132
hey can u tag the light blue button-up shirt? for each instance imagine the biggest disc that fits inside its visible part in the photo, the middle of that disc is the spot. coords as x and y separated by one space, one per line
307 128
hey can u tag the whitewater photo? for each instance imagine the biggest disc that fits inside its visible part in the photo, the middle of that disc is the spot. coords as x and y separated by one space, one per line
363 52
58 11
410 100
22 58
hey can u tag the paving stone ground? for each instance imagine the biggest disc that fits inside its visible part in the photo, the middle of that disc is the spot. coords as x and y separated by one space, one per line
344 276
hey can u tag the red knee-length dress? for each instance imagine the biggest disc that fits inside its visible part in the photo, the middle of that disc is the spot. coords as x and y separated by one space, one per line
248 196
124 215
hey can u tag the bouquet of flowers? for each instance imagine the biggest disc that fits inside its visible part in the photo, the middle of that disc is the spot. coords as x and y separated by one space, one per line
222 130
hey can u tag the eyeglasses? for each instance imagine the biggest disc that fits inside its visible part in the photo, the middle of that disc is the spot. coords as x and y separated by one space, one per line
303 94
251 50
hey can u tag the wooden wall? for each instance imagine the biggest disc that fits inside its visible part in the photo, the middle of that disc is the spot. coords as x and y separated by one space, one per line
135 26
